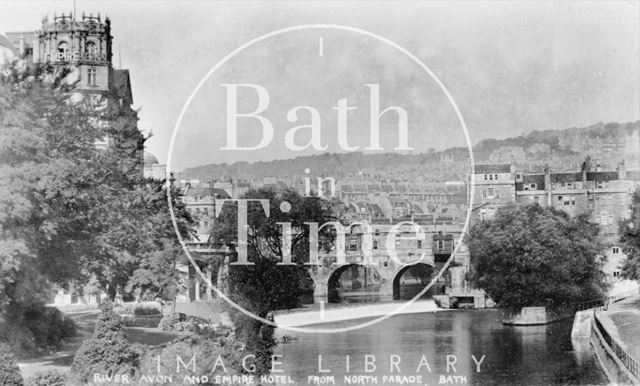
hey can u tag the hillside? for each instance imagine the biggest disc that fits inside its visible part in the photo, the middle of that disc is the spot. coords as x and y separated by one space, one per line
607 144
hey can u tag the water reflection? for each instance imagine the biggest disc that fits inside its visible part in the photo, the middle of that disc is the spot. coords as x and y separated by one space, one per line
538 355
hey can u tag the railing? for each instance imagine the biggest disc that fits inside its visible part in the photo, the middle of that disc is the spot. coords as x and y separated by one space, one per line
602 304
622 295
595 304
630 363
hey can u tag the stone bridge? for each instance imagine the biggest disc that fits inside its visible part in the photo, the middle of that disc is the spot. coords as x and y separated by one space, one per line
433 250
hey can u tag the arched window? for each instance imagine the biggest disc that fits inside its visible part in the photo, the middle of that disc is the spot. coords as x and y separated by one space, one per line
63 51
91 49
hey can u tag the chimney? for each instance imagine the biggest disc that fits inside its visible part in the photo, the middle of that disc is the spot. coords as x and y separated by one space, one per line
21 46
622 171
547 183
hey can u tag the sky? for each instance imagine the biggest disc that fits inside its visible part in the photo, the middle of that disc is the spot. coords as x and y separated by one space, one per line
511 68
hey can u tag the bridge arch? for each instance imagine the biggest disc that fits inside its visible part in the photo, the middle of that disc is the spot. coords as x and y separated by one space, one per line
411 279
354 283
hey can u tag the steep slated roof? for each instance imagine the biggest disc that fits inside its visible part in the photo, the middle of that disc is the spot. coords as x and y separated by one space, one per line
213 192
566 177
602 176
537 179
122 85
492 168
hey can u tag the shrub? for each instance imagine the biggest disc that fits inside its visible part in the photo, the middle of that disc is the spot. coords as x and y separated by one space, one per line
36 329
206 351
146 311
107 351
48 378
9 370
178 322
168 322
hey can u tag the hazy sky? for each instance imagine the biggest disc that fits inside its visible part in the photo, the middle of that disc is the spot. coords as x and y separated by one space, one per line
512 67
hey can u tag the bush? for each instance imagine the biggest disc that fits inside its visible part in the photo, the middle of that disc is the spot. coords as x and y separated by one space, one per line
9 370
168 322
36 329
146 311
178 322
49 326
48 378
107 352
206 350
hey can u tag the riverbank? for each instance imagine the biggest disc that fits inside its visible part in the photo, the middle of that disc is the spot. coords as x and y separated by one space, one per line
317 314
617 340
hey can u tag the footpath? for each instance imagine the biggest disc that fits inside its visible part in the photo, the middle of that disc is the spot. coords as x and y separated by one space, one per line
621 322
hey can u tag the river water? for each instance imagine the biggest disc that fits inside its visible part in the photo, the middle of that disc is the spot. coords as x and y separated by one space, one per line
397 349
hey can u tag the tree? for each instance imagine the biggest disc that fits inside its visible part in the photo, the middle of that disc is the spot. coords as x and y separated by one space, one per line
629 231
267 286
70 211
107 352
46 146
533 256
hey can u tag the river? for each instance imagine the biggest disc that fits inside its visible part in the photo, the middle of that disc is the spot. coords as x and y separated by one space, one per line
421 344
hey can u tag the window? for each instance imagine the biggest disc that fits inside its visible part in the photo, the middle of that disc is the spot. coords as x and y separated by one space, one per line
206 211
92 76
63 51
353 245
486 177
375 244
601 184
419 244
491 192
206 224
440 245
91 50
616 250
616 274
569 185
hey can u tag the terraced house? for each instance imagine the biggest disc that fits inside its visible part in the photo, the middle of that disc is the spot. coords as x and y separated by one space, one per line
603 194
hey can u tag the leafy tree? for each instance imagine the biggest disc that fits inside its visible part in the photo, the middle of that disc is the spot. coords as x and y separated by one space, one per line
70 211
629 231
267 286
533 256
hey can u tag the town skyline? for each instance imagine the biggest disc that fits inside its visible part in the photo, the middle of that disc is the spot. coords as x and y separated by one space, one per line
599 74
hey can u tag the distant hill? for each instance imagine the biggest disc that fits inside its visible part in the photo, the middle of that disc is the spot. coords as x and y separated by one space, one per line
607 144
